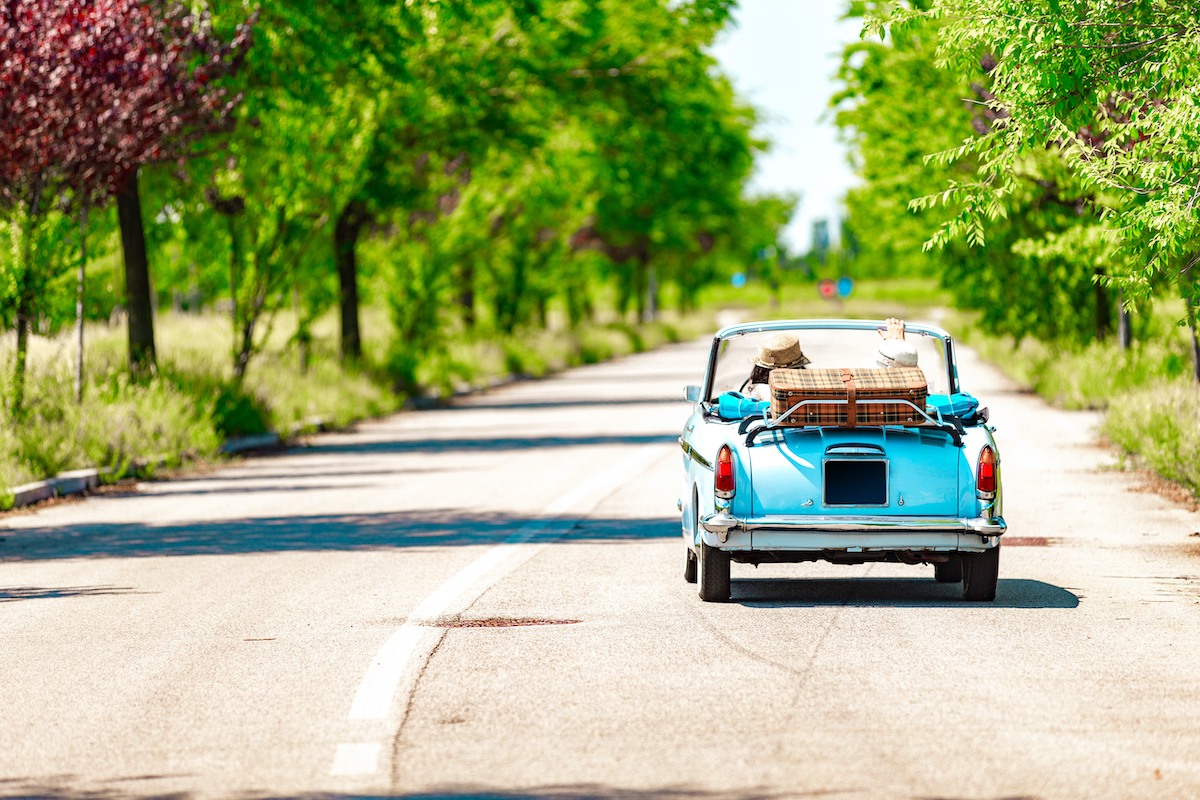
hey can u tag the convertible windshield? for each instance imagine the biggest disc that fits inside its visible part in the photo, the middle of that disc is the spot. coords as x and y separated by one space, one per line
827 348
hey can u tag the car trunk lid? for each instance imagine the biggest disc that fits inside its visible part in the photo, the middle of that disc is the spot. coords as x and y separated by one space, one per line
843 471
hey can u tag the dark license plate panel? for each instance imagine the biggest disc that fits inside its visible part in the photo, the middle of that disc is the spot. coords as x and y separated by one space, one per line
856 482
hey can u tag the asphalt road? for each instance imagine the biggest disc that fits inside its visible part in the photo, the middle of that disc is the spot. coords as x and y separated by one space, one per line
336 622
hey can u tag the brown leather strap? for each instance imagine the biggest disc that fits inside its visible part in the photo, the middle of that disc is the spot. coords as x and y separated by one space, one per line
851 406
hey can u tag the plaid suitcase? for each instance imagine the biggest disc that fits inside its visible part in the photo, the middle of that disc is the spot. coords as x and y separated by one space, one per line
858 387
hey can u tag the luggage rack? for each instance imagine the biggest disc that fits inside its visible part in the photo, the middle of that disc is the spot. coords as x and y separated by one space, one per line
953 427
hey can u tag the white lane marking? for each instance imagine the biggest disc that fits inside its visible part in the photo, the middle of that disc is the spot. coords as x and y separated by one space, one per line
356 758
378 688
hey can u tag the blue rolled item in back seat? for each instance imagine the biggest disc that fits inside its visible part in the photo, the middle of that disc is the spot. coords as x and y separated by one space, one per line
960 404
735 405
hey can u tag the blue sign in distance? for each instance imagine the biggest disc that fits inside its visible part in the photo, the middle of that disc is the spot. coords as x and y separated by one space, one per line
845 287
738 280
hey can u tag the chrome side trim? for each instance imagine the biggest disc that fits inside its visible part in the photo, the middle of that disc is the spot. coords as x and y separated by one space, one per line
717 523
695 456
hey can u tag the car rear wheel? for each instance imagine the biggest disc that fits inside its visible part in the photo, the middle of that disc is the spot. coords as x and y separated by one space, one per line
690 568
981 571
949 572
714 574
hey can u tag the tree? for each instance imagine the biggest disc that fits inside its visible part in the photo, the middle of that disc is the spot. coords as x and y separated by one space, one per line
1036 272
90 89
671 145
1114 88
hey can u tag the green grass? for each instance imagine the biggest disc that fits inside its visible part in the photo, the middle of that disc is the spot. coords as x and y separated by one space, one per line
1160 423
117 424
1151 401
1085 376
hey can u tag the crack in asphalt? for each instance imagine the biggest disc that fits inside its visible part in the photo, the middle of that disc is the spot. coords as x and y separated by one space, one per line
398 738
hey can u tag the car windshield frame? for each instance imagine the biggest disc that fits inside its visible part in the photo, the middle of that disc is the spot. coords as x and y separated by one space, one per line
949 378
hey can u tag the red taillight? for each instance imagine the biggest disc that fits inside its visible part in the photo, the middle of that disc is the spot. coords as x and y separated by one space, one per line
724 481
985 480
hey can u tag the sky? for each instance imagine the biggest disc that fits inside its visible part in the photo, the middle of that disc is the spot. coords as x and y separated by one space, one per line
781 56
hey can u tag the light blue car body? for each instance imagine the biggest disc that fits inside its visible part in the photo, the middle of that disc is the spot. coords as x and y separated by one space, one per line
778 511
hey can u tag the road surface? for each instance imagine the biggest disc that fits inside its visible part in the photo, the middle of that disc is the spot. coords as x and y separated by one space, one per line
339 621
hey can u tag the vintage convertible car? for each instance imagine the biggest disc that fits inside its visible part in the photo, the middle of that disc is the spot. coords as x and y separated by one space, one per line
804 479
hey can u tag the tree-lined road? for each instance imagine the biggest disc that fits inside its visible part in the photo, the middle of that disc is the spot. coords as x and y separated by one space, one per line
334 621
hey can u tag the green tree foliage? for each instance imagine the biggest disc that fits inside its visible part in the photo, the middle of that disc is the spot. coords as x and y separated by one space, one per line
1035 274
480 163
1111 89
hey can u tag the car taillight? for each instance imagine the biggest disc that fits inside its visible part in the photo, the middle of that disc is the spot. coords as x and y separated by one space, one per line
985 481
724 480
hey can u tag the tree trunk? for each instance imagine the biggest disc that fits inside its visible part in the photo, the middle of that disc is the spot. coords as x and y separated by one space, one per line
79 305
1103 307
22 252
241 358
137 280
639 290
235 262
1124 323
650 313
345 240
23 314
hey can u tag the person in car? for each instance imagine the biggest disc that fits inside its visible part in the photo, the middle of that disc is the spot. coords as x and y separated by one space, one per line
779 351
894 351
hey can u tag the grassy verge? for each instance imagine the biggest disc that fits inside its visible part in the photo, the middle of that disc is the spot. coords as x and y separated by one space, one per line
1160 424
193 403
1152 404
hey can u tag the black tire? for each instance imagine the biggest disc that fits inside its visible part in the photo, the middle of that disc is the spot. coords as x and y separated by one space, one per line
714 574
981 572
950 572
690 568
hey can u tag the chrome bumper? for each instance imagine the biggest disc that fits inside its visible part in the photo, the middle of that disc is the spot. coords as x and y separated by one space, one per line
722 523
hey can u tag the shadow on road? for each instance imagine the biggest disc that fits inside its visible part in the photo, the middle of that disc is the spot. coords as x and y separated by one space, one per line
621 401
482 444
893 592
337 532
11 594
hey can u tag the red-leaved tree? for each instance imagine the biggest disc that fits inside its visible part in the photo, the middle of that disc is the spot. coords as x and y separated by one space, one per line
89 91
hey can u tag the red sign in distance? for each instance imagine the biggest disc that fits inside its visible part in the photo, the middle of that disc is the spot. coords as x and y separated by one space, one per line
827 289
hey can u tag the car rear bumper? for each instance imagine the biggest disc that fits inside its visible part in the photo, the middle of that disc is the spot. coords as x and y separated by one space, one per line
867 533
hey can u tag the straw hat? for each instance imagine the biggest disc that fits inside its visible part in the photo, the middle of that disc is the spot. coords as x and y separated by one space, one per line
896 353
781 350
